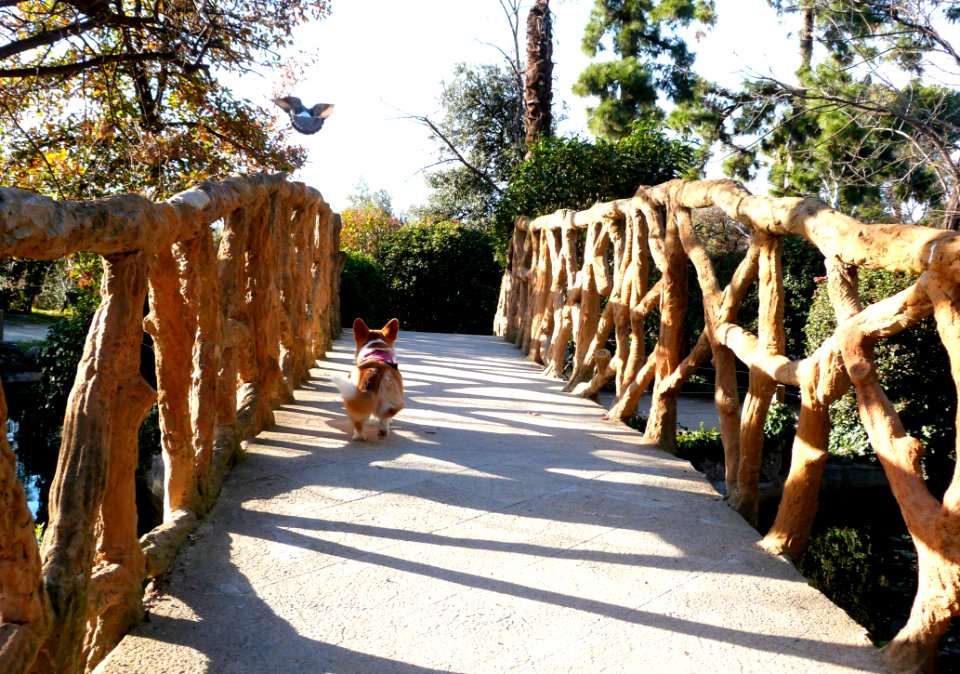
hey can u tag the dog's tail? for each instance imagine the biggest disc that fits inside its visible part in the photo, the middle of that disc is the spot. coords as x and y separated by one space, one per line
346 387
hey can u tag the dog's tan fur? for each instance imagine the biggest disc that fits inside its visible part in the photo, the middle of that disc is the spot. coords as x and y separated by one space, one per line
375 387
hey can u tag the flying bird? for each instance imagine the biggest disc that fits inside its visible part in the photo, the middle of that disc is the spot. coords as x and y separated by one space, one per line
305 120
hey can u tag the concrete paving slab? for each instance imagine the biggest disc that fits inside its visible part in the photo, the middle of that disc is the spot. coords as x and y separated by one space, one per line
503 527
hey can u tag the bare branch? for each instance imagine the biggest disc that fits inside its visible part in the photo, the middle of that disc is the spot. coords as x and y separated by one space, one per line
426 121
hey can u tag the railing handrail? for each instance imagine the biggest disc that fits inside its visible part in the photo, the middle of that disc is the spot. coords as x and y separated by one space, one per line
248 318
550 297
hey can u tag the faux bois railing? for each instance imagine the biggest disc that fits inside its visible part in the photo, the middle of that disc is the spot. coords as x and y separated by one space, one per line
236 325
552 294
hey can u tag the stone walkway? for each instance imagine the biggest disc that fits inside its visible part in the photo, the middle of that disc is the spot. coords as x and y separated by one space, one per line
503 527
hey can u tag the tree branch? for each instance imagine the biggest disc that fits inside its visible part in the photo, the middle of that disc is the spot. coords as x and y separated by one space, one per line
426 121
46 38
80 66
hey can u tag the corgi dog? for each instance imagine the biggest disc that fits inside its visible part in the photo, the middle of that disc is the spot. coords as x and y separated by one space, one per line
375 387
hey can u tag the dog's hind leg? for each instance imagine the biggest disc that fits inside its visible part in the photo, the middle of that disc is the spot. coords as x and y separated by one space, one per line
384 430
385 420
359 432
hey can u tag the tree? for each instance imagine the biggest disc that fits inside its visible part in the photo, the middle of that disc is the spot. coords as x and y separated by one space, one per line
364 197
126 94
653 59
367 222
482 137
868 128
575 173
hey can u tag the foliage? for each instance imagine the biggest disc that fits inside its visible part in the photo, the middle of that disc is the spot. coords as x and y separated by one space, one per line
699 444
779 427
481 134
58 360
364 197
653 59
98 98
869 129
21 281
364 292
365 227
802 267
704 447
914 371
442 277
574 173
85 271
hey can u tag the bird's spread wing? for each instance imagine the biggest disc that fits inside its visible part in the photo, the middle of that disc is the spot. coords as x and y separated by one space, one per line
322 110
291 104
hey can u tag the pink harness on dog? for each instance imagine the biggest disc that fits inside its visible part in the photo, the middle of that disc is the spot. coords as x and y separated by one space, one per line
379 354
376 354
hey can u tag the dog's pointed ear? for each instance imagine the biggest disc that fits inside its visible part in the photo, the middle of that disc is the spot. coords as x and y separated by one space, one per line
360 329
391 329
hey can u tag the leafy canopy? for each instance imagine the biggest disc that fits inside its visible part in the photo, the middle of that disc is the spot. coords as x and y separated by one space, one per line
868 126
652 59
102 97
575 173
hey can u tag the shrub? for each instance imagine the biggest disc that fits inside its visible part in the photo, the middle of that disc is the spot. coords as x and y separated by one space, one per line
442 277
363 292
914 371
365 227
58 360
704 447
574 173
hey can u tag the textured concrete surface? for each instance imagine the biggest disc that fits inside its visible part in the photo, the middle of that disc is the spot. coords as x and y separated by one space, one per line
503 527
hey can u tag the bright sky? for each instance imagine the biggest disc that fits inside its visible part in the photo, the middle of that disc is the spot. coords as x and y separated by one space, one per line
382 60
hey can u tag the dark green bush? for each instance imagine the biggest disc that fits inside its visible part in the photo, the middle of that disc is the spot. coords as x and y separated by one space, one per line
58 360
363 292
914 371
703 443
21 281
442 277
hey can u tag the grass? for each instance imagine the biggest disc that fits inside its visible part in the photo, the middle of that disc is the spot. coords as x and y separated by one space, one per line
48 313
36 318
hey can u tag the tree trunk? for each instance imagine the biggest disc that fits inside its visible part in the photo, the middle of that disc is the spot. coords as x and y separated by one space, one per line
951 211
808 14
538 90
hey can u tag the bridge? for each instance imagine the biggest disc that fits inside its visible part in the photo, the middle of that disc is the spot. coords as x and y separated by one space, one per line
562 536
504 526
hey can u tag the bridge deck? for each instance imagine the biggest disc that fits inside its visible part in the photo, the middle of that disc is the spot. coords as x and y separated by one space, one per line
503 527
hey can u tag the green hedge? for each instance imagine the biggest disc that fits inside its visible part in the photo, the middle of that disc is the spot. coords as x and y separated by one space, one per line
363 292
434 277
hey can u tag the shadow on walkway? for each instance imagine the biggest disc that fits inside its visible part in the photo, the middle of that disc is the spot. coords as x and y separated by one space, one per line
502 527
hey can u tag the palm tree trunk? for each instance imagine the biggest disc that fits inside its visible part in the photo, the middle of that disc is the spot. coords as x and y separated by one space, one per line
538 94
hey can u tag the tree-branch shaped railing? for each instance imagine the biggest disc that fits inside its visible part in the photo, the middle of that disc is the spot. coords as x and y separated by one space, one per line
558 275
235 329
